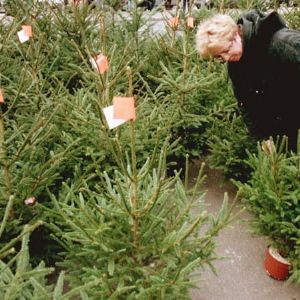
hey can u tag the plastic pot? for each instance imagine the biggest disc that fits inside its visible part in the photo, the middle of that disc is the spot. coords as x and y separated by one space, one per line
276 265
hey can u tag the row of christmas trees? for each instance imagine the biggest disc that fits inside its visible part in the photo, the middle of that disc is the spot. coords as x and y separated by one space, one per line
104 197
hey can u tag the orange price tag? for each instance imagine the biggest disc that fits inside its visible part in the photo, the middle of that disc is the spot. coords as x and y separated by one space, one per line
1 97
124 108
100 63
190 22
27 30
173 22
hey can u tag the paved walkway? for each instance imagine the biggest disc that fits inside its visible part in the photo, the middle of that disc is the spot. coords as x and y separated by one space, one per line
241 275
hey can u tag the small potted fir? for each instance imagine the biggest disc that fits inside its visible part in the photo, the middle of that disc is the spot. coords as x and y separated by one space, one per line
272 194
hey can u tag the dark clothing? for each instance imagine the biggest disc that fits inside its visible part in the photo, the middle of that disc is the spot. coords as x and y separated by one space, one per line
266 80
185 5
147 4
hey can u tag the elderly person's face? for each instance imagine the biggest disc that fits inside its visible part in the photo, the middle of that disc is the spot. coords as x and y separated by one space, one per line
232 51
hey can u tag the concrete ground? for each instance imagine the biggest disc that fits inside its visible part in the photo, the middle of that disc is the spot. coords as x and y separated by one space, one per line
241 275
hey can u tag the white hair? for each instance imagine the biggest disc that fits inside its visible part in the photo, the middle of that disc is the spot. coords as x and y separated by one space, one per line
213 33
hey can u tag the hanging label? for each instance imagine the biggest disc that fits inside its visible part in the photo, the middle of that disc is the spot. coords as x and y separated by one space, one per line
173 22
190 22
30 201
22 36
27 30
1 97
109 116
124 108
25 34
100 63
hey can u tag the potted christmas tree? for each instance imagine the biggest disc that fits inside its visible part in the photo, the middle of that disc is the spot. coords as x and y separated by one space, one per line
272 194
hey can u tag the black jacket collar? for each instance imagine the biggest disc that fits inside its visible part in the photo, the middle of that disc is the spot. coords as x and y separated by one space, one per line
258 28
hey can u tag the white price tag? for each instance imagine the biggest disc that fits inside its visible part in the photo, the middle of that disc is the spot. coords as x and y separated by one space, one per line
109 115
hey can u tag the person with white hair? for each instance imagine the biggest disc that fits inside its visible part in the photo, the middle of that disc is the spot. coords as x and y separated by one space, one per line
263 60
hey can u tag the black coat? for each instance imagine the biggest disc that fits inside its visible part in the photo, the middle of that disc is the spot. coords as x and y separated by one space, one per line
266 80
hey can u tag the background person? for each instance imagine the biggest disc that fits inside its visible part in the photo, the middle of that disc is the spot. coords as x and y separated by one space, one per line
263 57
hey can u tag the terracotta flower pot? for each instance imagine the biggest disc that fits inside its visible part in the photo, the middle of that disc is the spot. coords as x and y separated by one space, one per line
275 265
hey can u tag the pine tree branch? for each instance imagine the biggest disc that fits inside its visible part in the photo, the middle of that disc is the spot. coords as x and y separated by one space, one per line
28 229
3 160
6 214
